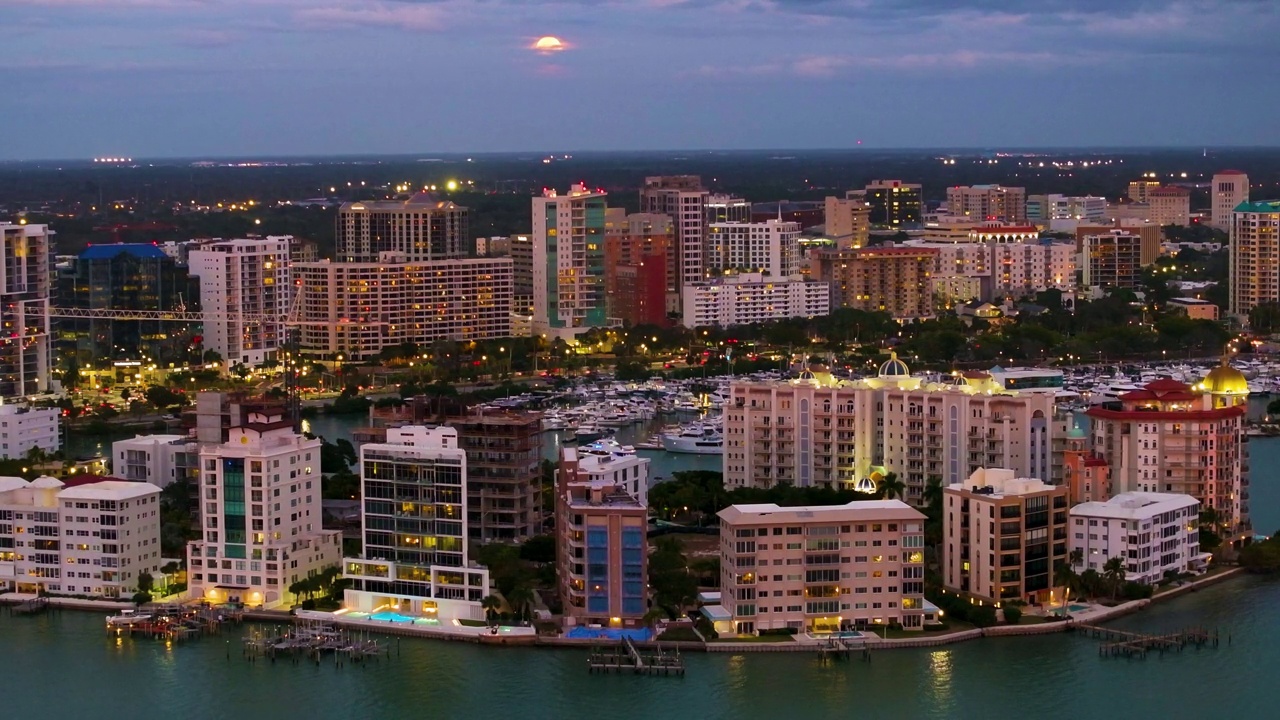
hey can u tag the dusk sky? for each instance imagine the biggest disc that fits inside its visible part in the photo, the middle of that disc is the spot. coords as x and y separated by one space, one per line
153 78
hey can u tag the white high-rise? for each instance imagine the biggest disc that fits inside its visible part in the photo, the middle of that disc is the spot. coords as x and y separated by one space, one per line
245 291
684 200
24 310
1229 188
770 248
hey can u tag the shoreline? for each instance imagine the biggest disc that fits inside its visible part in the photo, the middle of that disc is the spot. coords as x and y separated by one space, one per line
526 638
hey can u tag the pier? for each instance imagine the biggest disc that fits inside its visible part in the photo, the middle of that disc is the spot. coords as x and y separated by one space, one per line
176 623
626 656
836 648
310 640
30 607
1131 645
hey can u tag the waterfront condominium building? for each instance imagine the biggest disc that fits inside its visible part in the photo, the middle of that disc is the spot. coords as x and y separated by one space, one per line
895 280
23 427
1154 533
415 529
1254 276
684 200
568 268
1228 190
848 221
1169 206
818 430
504 459
245 292
893 203
359 308
1111 259
1190 440
601 552
988 202
1003 535
24 310
260 522
822 568
770 248
90 539
421 228
752 298
157 459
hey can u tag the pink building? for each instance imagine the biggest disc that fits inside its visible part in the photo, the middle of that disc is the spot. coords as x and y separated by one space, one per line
822 568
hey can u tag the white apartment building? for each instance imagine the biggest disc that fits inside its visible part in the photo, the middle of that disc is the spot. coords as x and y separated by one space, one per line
156 459
421 227
245 292
1046 208
1155 533
568 269
993 270
1253 277
24 310
600 465
1169 206
259 514
770 248
23 428
752 298
91 539
415 557
819 430
988 202
356 309
823 568
1228 189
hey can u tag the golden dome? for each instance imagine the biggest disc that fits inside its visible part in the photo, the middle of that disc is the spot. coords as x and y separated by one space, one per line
1224 380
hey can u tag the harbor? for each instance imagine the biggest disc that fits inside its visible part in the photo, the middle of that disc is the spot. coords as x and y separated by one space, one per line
310 640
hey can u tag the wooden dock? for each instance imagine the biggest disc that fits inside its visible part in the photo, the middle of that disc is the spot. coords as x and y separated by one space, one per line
1131 645
626 656
30 607
841 649
309 640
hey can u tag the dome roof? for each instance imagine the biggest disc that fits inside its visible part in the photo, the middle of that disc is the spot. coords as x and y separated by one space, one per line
894 368
1225 380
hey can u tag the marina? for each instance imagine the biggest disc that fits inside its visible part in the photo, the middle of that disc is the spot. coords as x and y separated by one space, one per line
1134 645
625 656
310 640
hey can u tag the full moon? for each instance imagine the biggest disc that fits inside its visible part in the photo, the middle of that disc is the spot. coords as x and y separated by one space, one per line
548 44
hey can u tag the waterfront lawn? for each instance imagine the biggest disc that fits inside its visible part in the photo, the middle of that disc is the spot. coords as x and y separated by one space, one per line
952 626
679 634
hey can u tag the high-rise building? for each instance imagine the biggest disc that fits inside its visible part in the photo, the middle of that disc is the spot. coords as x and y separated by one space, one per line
1229 188
1169 206
770 248
568 269
504 471
158 459
637 274
684 200
1155 534
246 288
991 271
848 222
1111 260
521 254
1004 535
817 430
753 298
726 208
112 531
1173 438
821 569
1085 473
1253 276
358 309
1140 190
601 551
126 277
893 203
260 519
1047 208
421 228
895 280
988 202
415 529
1151 234
23 427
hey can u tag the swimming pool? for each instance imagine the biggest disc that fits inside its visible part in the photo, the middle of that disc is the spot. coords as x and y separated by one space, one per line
392 617
1071 608
586 633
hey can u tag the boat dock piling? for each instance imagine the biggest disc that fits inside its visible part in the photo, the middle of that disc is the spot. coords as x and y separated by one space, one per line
1121 643
310 640
626 656
177 623
30 607
841 649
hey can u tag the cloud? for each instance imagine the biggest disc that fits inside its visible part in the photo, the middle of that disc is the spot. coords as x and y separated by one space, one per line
415 17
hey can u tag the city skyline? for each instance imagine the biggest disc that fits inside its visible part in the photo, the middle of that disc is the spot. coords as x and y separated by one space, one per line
181 78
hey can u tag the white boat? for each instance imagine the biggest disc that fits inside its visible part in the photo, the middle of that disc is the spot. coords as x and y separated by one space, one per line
589 432
695 439
126 618
607 447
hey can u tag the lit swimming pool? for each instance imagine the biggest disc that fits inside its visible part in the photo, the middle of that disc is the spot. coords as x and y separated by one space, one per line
586 633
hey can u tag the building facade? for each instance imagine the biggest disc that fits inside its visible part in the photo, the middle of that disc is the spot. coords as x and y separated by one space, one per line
638 278
1047 208
23 428
683 199
421 228
988 202
1254 248
568 269
848 222
818 430
896 280
727 209
823 568
991 271
770 248
752 298
893 203
1154 533
90 539
260 520
246 288
415 557
602 553
1003 535
1228 190
157 459
504 473
357 309
1169 206
1111 260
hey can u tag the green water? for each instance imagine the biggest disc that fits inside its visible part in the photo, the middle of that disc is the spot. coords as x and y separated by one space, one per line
64 665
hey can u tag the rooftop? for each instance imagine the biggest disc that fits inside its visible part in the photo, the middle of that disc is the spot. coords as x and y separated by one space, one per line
138 250
1259 206
1000 482
1134 505
110 490
856 510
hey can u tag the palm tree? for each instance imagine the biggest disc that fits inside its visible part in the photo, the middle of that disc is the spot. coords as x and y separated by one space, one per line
933 494
1076 558
1090 582
1113 571
490 604
890 487
520 599
1064 577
